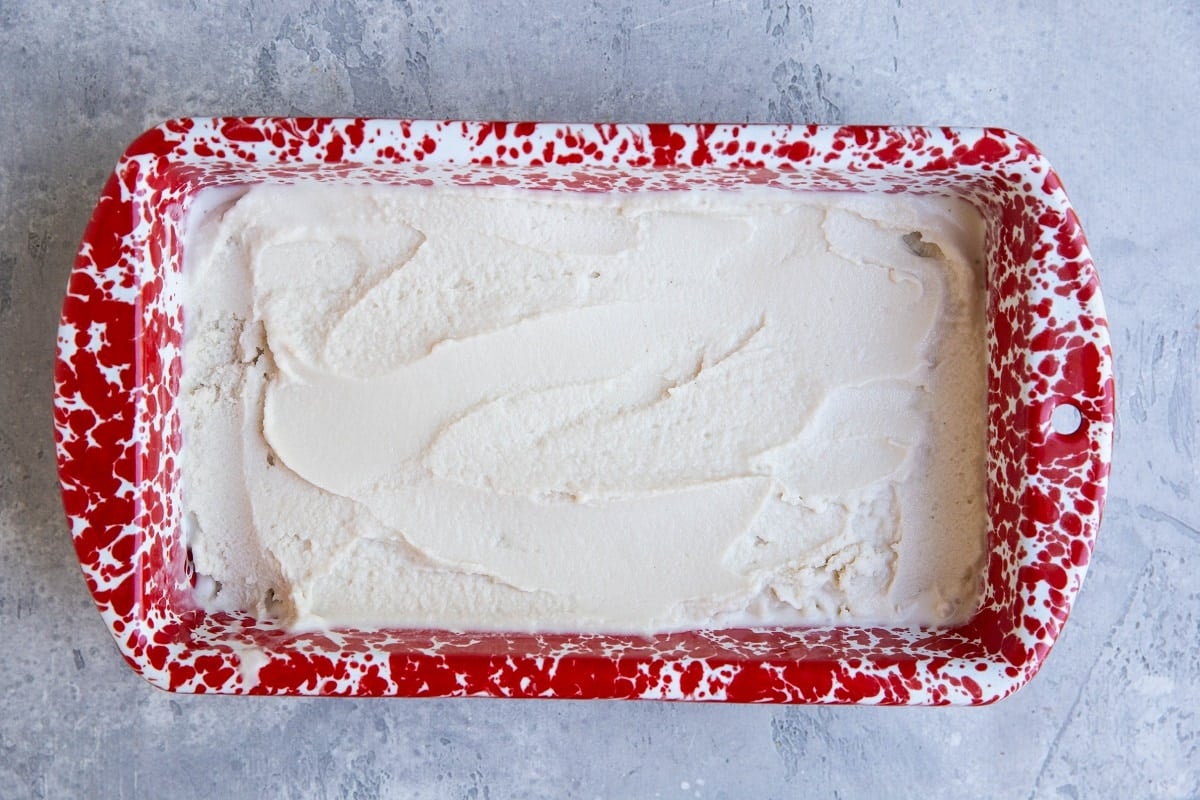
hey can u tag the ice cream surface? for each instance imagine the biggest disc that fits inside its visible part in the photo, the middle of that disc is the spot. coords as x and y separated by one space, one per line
495 408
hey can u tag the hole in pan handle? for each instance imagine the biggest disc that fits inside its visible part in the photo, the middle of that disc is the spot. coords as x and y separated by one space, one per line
1066 419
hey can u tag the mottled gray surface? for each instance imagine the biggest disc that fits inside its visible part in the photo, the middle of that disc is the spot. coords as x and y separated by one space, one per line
1107 89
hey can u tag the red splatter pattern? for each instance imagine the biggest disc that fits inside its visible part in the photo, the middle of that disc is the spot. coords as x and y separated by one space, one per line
118 434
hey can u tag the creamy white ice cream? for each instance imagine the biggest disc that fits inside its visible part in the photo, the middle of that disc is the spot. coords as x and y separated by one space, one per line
505 409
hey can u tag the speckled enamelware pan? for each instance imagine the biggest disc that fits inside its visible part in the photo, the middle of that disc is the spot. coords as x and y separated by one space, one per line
118 431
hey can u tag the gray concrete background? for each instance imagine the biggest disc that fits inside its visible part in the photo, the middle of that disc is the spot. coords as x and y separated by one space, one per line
1107 89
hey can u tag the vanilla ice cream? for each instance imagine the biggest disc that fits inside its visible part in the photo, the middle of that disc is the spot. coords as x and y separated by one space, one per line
505 409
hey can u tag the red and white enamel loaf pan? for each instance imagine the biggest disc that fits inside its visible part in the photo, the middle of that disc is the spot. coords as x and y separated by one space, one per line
118 431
